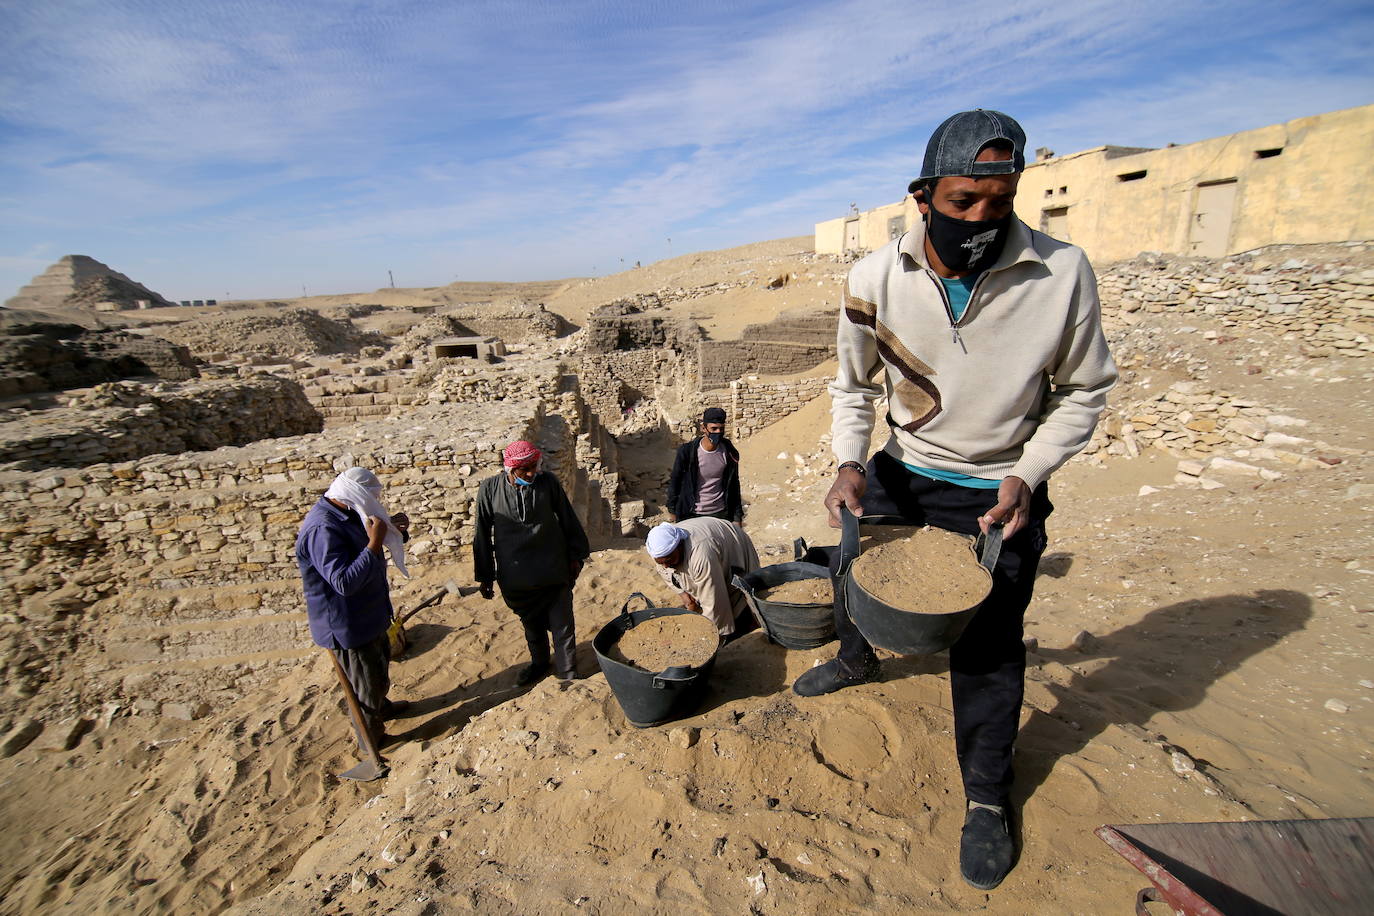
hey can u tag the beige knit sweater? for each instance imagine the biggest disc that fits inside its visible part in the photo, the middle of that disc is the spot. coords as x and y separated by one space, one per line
1014 388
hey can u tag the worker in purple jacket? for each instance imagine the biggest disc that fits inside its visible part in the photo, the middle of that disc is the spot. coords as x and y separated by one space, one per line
347 599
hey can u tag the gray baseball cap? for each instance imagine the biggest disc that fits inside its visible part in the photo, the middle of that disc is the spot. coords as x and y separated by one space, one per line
954 147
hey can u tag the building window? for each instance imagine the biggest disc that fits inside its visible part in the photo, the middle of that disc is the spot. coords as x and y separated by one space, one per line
1049 192
1131 176
1268 153
1064 189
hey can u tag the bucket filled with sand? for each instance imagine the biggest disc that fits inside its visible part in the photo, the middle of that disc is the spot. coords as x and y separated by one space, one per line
912 590
793 602
657 660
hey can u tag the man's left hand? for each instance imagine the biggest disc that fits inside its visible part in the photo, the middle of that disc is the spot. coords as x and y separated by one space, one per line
1012 510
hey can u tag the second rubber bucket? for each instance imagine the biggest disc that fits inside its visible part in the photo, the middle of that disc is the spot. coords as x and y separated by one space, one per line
793 626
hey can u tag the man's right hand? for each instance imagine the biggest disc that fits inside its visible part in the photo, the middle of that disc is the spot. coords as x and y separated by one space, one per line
487 590
847 490
691 603
376 533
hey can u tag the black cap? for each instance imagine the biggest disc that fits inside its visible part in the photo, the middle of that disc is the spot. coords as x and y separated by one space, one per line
954 147
713 415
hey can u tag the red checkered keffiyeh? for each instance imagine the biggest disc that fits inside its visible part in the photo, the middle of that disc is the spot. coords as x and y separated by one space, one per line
521 454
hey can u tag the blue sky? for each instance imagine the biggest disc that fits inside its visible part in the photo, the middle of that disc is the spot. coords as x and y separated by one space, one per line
249 148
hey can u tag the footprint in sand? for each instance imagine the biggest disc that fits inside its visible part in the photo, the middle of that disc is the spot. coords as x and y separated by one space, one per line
854 743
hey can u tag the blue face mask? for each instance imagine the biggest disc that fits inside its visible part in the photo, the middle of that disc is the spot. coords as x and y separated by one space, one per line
522 482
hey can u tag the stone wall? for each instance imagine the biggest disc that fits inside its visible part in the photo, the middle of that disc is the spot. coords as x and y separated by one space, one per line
178 571
1328 303
122 421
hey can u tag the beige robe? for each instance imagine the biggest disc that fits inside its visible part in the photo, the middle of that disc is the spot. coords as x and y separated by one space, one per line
714 551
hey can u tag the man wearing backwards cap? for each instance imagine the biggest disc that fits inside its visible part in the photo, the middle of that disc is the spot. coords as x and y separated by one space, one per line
347 599
698 558
531 542
995 370
705 475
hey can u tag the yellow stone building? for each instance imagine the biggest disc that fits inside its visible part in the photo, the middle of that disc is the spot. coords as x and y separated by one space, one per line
1306 180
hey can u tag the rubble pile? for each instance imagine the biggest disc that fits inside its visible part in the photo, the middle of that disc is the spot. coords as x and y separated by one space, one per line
292 332
1329 305
122 421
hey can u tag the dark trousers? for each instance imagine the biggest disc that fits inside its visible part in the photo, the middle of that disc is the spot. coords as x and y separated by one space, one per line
367 670
543 614
987 665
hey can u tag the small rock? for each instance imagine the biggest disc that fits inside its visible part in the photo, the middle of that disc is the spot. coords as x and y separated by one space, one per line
1191 468
397 851
65 735
1083 641
1031 643
757 884
1367 684
20 737
1147 490
684 737
362 881
1183 764
1336 706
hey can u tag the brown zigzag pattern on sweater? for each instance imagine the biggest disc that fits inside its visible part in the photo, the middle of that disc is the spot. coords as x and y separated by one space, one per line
915 392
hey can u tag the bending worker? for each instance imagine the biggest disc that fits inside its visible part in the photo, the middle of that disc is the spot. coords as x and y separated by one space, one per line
996 370
347 598
698 557
530 540
705 475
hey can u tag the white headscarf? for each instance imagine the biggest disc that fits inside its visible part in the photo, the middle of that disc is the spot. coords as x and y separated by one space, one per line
663 540
360 490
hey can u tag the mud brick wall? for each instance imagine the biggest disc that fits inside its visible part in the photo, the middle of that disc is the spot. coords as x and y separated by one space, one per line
722 361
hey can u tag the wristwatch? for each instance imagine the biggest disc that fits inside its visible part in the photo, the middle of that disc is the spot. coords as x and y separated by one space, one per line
863 471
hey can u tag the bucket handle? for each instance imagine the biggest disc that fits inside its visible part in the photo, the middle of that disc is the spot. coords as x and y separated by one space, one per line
625 608
738 582
662 680
798 548
989 548
849 540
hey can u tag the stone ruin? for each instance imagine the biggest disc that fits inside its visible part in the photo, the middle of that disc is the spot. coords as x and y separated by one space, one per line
78 281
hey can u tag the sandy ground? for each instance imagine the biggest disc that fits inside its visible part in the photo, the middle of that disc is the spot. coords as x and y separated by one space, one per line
1189 645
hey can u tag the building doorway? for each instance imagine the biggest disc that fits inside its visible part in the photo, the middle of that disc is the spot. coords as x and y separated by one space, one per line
851 235
1209 234
1054 222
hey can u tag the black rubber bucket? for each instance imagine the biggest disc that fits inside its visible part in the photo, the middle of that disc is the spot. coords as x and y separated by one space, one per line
891 628
648 698
793 626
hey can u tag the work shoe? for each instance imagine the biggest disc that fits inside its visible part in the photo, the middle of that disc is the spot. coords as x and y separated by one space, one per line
986 849
530 673
830 677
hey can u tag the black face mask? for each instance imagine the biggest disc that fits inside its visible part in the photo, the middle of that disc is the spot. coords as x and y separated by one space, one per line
715 437
966 245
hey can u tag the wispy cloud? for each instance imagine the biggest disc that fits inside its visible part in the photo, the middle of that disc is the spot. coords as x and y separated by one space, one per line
240 144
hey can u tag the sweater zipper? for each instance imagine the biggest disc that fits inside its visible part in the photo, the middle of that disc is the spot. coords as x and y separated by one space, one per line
949 309
949 312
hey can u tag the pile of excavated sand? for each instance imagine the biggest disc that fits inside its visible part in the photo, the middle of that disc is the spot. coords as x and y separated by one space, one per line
285 333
